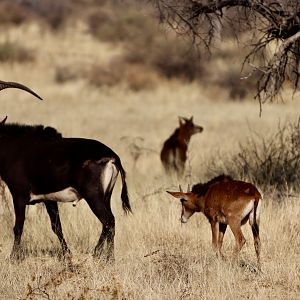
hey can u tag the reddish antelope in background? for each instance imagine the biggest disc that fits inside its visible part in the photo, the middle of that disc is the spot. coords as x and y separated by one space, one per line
174 152
225 202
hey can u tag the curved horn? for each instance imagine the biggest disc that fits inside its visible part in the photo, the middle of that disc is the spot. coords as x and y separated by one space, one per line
180 189
189 188
6 85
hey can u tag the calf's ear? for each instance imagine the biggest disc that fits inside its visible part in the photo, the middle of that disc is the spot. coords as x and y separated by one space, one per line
177 194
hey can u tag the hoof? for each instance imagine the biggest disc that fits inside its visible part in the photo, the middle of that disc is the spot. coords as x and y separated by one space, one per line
64 254
17 256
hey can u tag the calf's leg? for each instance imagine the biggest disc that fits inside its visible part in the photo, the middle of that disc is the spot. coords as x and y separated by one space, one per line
235 226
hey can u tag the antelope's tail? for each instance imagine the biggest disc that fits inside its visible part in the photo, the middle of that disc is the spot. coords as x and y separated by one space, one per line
256 216
124 193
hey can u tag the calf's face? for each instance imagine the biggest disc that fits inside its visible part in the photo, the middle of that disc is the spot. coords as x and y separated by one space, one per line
188 205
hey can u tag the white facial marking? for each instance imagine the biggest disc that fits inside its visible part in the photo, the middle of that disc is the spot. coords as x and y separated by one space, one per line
185 215
183 219
67 195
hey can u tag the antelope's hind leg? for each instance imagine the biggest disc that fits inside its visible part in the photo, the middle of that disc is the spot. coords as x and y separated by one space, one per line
235 226
104 214
257 244
97 192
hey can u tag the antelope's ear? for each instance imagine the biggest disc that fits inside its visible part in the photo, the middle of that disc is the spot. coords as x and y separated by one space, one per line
178 194
181 120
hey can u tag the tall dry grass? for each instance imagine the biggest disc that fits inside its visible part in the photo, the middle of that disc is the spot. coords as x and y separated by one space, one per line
156 257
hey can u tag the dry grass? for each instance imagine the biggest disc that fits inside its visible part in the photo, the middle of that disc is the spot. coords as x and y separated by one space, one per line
156 257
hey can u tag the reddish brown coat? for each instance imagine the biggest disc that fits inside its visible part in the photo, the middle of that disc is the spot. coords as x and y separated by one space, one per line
174 152
228 202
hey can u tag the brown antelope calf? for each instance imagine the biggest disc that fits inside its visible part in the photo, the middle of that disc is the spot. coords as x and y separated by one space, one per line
174 152
227 202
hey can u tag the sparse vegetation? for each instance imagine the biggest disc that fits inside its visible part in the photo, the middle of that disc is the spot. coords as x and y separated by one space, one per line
272 162
145 42
49 12
271 24
135 76
156 257
14 52
11 13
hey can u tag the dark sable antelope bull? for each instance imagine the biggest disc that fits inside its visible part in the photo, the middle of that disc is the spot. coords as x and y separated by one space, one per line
174 152
38 165
224 202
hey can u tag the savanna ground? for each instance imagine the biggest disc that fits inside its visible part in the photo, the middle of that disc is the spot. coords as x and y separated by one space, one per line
156 256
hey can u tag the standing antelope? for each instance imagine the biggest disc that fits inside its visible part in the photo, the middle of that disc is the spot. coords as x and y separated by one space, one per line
226 202
39 165
174 152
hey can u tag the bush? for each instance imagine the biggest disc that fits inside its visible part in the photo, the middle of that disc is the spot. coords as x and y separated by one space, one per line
105 75
135 76
12 13
118 23
15 52
54 13
272 163
145 42
171 56
64 74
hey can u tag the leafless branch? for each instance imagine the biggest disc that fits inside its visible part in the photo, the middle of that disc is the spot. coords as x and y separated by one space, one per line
271 22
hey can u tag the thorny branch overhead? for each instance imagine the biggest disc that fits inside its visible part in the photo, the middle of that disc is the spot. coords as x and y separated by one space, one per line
275 24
